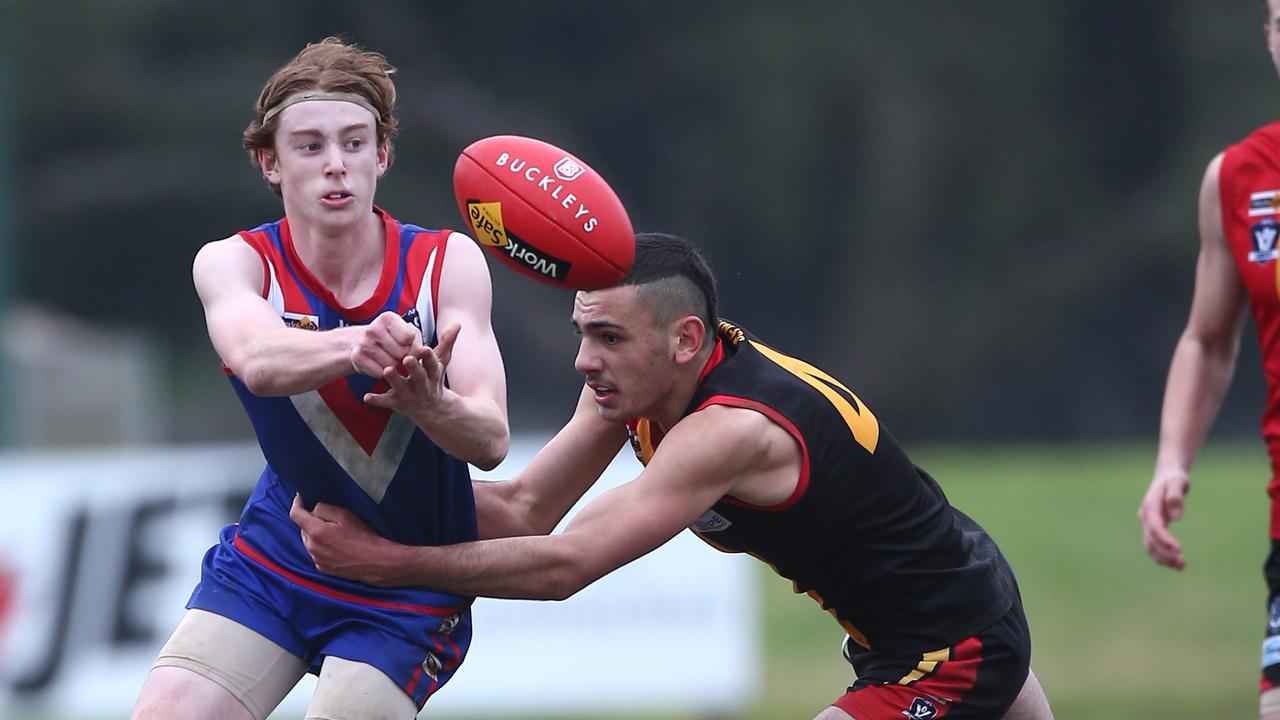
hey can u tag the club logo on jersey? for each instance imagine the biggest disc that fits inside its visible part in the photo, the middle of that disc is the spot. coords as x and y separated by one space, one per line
711 521
1266 202
921 709
1264 235
568 169
432 666
300 321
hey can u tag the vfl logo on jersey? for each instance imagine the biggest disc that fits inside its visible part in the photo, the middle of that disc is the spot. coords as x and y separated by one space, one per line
1266 202
300 321
921 709
711 521
1263 235
568 169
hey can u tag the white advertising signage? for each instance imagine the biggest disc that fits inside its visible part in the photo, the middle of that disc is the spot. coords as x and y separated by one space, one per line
100 550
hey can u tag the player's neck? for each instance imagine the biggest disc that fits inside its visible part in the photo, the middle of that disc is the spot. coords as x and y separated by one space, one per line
672 407
346 258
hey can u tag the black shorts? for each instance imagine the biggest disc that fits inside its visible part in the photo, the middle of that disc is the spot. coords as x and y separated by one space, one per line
1271 642
978 677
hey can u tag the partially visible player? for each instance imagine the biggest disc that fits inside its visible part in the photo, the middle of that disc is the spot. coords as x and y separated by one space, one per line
755 451
324 321
1239 209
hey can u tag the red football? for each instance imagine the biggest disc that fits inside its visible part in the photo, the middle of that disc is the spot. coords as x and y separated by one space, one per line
544 212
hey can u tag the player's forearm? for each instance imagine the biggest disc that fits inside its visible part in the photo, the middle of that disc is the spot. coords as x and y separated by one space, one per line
288 361
473 429
1199 377
528 568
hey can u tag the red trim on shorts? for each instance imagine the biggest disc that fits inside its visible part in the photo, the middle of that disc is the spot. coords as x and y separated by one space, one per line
413 683
296 579
942 688
777 417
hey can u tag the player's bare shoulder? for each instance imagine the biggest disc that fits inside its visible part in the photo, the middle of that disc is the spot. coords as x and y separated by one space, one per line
229 259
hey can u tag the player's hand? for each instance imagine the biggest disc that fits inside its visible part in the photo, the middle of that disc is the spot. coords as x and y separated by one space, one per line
384 343
1162 505
341 544
416 382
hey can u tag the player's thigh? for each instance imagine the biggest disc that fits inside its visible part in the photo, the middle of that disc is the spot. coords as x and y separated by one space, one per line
1031 703
349 690
214 667
833 713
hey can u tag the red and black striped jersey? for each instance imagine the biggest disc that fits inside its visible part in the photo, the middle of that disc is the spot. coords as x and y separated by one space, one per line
866 533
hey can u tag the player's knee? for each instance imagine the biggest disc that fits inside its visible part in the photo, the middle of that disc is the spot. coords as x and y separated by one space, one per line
1269 704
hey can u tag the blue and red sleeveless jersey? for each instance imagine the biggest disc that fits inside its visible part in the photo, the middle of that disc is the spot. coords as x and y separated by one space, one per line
328 446
1249 195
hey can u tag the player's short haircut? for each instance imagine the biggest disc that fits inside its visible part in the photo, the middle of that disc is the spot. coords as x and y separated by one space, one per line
330 65
673 279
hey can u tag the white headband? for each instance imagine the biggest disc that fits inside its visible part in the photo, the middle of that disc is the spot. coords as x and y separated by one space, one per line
308 97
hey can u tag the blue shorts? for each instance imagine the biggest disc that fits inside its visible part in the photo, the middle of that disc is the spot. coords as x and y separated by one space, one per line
417 646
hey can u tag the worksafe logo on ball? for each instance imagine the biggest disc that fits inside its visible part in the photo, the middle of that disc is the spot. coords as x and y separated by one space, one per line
921 709
1264 235
486 220
568 169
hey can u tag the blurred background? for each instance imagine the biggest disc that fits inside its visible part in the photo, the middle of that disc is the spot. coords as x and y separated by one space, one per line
980 215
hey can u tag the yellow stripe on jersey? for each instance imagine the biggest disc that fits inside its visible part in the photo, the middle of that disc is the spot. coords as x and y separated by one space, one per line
928 663
862 423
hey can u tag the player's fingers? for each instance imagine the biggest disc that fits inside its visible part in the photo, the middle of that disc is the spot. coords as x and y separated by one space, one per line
413 370
380 400
298 512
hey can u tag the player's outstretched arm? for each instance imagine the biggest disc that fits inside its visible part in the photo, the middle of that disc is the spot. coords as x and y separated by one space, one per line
467 416
1199 375
248 334
687 475
538 498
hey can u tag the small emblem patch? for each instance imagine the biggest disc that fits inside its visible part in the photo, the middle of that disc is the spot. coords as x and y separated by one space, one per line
921 709
711 521
1263 235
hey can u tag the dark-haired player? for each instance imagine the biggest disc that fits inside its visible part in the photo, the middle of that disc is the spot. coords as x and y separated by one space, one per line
324 322
1239 209
755 451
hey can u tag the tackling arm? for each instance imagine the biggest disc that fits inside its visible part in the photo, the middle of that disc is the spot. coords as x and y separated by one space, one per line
538 498
687 475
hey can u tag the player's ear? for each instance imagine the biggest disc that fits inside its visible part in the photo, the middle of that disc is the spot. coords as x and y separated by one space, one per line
689 337
384 157
270 165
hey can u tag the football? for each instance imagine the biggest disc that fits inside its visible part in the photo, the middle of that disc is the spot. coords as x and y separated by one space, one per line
543 212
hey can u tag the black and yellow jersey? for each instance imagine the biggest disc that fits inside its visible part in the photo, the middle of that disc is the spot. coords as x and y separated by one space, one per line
866 533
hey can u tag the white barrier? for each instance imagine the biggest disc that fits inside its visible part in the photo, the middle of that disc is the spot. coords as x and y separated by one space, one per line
99 551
